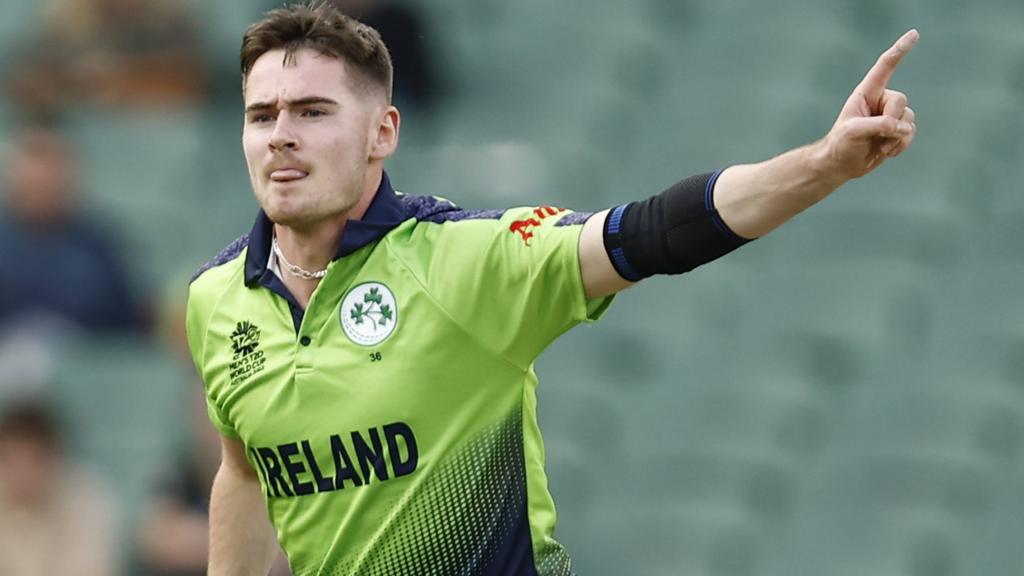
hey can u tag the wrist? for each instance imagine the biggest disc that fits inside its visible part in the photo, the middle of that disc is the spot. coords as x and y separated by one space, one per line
823 167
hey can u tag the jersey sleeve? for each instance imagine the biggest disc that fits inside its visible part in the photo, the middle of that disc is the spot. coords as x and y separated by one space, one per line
196 331
514 282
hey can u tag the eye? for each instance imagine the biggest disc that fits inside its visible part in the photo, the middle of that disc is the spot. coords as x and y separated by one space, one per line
313 113
260 118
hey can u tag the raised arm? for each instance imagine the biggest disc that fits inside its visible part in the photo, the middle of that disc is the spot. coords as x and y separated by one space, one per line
751 200
242 541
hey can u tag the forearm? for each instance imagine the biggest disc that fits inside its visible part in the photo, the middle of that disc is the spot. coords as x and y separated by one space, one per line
754 199
242 541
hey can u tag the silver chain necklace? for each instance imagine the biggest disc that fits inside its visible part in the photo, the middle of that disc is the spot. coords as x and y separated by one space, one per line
292 268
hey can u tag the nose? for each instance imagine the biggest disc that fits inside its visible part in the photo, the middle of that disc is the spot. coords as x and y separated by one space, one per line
283 137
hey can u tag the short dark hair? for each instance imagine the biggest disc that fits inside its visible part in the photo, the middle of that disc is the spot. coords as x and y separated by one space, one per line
30 419
321 27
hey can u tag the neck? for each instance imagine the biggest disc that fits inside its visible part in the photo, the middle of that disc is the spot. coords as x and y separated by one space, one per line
312 248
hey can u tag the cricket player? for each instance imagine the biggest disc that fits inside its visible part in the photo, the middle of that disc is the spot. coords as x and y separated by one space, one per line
368 355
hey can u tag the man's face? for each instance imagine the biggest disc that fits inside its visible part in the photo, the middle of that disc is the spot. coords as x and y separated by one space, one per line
308 137
39 175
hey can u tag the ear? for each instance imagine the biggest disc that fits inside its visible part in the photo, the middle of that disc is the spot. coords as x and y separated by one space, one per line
385 141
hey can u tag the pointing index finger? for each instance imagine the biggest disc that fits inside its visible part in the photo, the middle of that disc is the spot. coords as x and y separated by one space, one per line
877 78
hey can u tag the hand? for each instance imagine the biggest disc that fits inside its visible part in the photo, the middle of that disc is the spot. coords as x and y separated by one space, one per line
875 123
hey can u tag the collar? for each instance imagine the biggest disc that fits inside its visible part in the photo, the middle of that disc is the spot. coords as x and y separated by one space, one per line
385 212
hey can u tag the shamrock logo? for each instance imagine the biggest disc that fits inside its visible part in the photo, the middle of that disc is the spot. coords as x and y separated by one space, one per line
372 309
369 313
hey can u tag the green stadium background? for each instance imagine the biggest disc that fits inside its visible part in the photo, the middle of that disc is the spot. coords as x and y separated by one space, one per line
843 397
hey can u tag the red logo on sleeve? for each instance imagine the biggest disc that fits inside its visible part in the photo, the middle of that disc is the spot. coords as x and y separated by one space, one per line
522 227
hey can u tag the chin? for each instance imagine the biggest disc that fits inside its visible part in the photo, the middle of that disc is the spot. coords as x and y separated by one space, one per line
282 211
289 218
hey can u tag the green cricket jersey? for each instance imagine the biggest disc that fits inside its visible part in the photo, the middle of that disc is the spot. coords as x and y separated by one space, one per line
393 423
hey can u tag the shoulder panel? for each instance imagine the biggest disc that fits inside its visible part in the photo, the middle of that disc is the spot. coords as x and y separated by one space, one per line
229 253
439 210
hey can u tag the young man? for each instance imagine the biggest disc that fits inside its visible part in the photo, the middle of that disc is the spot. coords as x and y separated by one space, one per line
368 355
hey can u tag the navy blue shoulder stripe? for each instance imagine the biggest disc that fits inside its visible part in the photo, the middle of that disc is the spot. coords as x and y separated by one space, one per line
574 219
460 214
226 255
439 211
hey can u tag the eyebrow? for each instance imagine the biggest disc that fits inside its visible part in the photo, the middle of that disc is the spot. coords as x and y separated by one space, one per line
307 101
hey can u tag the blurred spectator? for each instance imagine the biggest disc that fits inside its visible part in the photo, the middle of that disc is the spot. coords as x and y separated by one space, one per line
54 519
57 266
404 32
109 53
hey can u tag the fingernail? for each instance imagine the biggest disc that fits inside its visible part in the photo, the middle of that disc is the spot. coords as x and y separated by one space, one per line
904 126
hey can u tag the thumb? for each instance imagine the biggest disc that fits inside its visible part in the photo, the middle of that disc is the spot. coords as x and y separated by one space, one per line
876 127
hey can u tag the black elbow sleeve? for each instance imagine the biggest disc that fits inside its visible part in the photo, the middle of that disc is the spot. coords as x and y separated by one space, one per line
669 233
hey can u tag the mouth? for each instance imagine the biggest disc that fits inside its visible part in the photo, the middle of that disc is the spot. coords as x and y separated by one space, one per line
288 175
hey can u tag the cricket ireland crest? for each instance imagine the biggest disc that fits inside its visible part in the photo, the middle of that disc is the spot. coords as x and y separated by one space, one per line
369 313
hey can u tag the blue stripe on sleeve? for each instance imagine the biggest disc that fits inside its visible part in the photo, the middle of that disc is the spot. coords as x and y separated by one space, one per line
709 204
615 219
618 255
